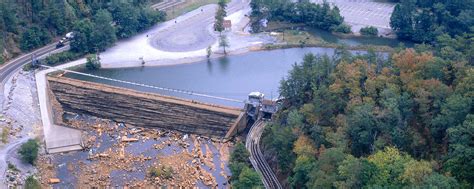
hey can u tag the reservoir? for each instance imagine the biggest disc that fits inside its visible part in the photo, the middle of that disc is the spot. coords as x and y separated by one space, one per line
231 77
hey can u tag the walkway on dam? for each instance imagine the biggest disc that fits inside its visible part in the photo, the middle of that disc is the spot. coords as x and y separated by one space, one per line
57 138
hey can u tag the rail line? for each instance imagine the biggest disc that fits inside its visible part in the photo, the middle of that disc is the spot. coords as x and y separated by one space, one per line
256 157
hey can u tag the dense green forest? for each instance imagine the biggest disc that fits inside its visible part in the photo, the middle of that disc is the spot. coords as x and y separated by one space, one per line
29 24
320 16
423 21
365 121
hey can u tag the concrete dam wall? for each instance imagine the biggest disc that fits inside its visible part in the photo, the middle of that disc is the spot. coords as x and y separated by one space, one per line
142 109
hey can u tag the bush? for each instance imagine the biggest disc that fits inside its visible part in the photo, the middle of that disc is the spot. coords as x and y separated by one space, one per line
61 58
55 59
5 132
29 151
342 28
32 183
163 172
369 31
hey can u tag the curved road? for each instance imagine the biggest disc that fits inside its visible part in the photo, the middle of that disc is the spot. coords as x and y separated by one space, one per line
256 157
194 33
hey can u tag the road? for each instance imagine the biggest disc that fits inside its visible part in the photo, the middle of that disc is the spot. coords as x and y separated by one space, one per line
252 144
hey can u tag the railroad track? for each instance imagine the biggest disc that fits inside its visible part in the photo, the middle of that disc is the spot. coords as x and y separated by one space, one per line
256 157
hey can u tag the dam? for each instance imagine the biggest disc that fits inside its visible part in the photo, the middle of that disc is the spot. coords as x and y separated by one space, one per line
144 109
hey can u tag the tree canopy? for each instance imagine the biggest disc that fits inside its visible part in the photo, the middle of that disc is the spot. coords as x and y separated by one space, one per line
423 21
365 121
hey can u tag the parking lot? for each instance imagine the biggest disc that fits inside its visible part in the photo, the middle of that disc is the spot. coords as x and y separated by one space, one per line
360 13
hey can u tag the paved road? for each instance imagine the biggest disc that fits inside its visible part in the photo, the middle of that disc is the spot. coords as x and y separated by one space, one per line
252 144
193 33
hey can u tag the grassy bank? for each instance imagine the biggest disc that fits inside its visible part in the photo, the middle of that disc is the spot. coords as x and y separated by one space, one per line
186 7
294 38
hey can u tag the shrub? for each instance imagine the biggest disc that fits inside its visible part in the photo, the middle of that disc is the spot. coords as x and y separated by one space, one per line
32 183
29 151
5 132
12 167
369 31
163 172
61 58
342 28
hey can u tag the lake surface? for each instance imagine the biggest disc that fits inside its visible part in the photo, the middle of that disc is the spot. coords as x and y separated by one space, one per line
231 77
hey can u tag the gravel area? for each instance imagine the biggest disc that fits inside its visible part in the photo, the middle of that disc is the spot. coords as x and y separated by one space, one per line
21 116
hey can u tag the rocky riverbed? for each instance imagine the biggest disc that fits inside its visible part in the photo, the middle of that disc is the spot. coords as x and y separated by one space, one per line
119 155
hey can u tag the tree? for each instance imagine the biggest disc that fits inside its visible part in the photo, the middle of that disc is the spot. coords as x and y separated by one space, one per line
453 113
148 17
461 150
248 178
8 18
220 15
305 161
278 140
83 31
390 165
363 130
257 15
424 27
355 173
126 17
34 37
208 51
324 173
224 43
103 34
402 19
93 62
239 159
29 151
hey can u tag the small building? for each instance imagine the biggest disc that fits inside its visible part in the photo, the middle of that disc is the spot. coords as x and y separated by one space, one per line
269 107
253 103
227 25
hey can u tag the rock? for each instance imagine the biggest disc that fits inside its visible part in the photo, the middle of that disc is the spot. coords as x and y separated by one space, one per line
126 139
54 181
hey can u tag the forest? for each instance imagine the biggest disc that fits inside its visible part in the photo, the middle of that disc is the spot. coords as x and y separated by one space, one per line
29 24
400 120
